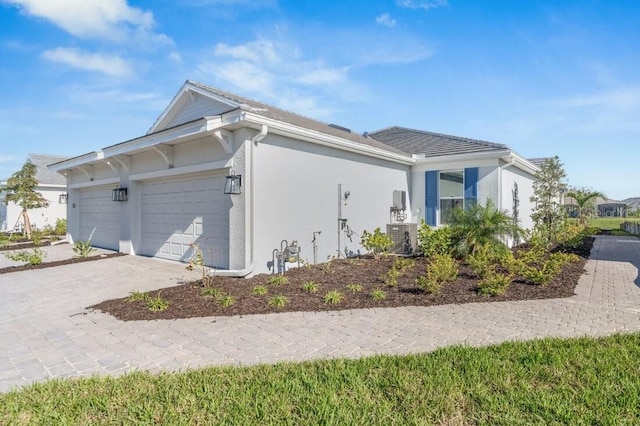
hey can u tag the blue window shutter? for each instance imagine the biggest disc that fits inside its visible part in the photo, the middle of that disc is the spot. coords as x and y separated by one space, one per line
470 186
431 197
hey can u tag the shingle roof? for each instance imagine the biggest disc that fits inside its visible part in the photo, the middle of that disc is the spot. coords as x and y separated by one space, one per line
429 144
43 174
279 114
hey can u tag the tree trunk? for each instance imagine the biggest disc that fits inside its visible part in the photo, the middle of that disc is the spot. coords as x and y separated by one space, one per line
27 224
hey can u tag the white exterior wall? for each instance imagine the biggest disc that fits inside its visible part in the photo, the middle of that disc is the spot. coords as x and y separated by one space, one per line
39 217
511 175
296 194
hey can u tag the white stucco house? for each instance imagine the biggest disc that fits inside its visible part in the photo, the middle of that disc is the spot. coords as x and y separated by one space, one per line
238 177
53 188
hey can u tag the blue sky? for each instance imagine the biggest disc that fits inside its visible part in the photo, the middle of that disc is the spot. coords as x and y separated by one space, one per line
544 77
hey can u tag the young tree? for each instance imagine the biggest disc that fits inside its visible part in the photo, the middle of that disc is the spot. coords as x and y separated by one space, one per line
585 199
548 213
21 190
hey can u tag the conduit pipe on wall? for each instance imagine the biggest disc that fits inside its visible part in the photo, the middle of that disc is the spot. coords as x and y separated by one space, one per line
248 228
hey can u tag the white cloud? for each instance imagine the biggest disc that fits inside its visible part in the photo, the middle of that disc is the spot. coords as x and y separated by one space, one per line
421 4
107 64
6 158
176 57
615 98
277 72
386 20
112 20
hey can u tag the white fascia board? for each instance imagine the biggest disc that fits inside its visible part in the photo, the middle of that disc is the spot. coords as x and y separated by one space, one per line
300 133
183 131
523 164
71 163
428 163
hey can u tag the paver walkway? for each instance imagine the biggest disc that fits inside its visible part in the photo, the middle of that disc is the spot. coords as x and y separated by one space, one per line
45 331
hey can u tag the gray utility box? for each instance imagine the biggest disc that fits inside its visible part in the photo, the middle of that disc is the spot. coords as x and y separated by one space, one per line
404 237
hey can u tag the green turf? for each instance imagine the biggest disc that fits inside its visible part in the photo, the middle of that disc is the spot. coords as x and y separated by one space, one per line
550 381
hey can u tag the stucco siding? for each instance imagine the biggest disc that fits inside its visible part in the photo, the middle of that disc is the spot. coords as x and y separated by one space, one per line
296 194
41 217
510 177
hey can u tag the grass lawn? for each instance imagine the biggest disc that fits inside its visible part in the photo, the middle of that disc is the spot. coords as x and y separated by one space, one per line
612 223
550 381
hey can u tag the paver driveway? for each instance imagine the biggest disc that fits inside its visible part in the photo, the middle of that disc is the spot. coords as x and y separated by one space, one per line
45 331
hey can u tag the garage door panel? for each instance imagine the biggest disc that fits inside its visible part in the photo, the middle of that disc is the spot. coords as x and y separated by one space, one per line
180 212
99 218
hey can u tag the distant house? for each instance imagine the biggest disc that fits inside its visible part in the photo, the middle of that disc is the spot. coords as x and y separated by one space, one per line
253 185
604 207
51 185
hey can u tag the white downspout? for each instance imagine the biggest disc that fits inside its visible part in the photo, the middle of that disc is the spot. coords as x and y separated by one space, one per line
501 169
248 227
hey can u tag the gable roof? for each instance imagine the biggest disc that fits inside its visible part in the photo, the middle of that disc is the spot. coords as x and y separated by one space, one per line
429 144
539 161
235 102
44 176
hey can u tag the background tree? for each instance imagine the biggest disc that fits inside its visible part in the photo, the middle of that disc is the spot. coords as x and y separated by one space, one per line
585 202
549 215
21 190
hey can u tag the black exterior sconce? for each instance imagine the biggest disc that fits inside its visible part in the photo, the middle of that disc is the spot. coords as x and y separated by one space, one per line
119 194
233 184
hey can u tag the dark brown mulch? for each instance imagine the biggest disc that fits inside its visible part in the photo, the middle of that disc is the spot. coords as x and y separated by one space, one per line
186 300
23 244
71 261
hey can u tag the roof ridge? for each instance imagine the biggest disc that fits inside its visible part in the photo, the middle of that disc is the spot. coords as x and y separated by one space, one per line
453 137
228 94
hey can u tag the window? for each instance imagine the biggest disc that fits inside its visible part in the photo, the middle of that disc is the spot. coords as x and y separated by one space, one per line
446 190
451 189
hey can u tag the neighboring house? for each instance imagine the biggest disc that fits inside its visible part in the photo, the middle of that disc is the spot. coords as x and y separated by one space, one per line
604 207
53 188
238 178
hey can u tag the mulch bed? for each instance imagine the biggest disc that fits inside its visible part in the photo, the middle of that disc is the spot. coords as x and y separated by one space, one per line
25 244
186 300
44 265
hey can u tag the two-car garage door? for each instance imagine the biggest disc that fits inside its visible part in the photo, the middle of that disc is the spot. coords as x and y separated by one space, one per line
179 212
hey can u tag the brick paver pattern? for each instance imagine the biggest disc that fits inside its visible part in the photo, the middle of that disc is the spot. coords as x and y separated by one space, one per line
46 332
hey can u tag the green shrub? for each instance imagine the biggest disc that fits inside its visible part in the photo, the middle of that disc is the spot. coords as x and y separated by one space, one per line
136 296
30 257
310 287
378 294
36 236
278 301
488 258
390 278
259 290
226 300
278 280
378 243
401 264
442 269
494 284
354 288
82 249
212 292
333 297
157 304
434 241
61 227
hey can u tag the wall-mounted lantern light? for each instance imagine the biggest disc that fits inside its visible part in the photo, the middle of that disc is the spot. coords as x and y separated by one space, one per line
119 194
233 185
63 198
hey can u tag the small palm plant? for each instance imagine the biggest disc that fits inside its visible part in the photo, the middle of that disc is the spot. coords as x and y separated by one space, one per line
478 226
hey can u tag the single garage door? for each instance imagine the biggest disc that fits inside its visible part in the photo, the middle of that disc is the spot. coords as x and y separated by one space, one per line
99 218
178 212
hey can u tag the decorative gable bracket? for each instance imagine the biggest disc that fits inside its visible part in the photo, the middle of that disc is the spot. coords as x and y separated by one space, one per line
124 161
225 137
87 170
166 151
